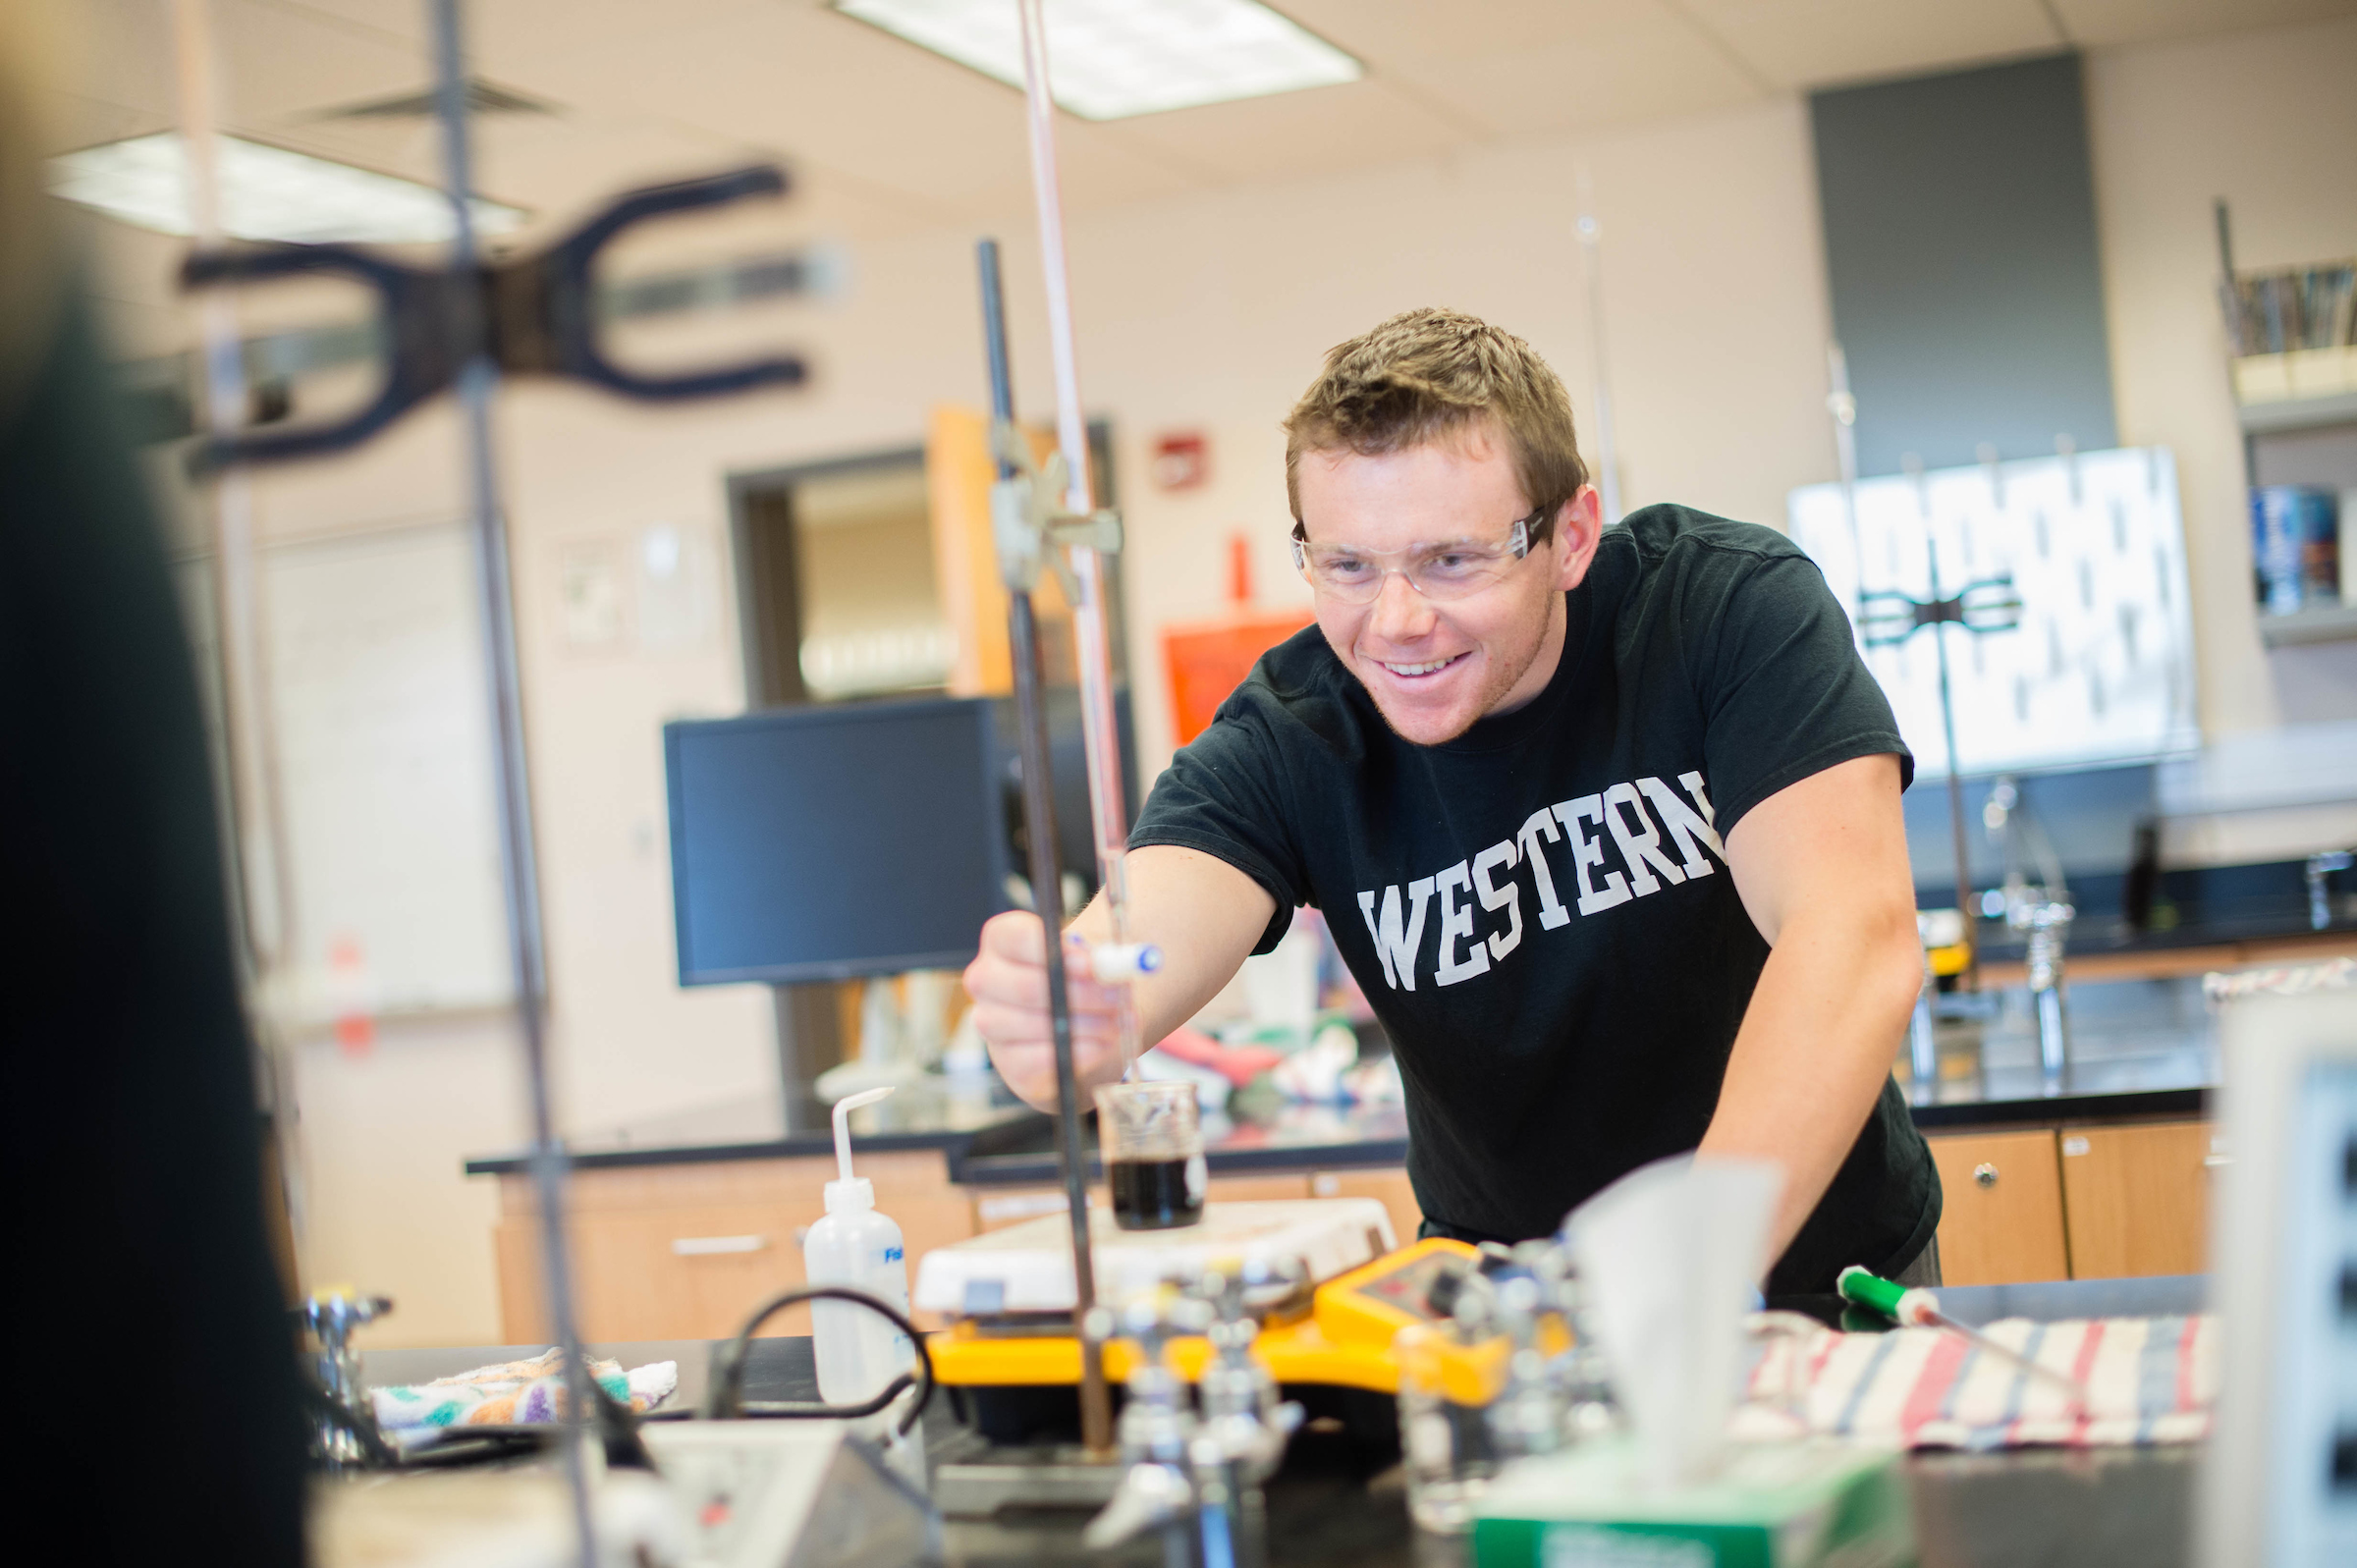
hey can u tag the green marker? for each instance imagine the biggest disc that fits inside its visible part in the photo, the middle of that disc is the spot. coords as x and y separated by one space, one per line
1920 1308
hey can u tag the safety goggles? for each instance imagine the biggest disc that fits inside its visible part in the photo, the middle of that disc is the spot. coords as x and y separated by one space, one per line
1455 569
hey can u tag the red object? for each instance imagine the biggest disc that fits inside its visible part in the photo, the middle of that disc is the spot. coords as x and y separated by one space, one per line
1181 459
1209 660
1238 1065
1240 570
348 990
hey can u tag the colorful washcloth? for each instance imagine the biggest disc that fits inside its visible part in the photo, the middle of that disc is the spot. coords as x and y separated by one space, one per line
511 1393
2149 1380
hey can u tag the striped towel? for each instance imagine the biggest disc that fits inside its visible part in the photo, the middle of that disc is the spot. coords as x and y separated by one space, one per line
2149 1380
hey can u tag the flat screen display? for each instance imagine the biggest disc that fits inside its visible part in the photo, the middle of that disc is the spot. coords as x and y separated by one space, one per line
835 842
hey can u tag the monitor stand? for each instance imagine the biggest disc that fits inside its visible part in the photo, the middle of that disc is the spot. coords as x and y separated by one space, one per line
811 1040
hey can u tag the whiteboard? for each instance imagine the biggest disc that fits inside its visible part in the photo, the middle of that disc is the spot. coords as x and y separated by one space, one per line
376 679
2100 668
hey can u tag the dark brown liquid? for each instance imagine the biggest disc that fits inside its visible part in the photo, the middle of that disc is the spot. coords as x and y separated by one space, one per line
1152 1194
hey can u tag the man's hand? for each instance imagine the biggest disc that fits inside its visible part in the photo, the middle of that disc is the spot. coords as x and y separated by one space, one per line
1203 913
1822 868
1009 982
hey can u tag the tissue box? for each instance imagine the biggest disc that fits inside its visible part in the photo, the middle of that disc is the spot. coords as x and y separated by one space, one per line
1771 1505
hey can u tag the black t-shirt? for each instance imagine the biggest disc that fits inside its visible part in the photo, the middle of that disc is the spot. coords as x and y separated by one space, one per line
1541 911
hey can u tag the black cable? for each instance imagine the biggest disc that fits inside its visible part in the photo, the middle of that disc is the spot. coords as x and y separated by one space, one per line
723 1400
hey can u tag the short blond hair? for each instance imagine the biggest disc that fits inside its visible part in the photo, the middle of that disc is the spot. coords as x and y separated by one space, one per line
1434 375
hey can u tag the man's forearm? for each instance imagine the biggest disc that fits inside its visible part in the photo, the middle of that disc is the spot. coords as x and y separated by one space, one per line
1815 1044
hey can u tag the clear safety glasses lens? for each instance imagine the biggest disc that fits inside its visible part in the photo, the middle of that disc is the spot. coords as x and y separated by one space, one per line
1353 577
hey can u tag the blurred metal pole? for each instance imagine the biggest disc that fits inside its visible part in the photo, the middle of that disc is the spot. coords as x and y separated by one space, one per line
1843 407
255 807
1970 980
1608 456
248 734
1047 878
519 868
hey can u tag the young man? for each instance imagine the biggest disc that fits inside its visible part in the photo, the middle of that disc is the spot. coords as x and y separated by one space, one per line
1605 821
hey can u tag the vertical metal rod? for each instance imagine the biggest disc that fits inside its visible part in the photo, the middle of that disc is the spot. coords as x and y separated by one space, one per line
1047 880
1842 404
1608 457
255 802
1971 980
1100 728
520 877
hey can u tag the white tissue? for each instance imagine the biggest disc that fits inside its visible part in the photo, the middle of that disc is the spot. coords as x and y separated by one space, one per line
1667 1256
654 1383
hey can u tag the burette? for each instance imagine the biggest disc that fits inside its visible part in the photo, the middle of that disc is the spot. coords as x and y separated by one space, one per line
1121 958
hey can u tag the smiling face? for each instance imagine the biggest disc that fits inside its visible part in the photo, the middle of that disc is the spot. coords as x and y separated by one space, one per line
1433 667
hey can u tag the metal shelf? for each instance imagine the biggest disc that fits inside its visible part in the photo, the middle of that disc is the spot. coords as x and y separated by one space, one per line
2309 626
2298 413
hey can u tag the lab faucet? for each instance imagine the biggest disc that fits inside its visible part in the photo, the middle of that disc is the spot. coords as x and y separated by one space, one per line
2041 910
1244 1427
1157 1429
1197 1480
2047 922
344 1431
2320 899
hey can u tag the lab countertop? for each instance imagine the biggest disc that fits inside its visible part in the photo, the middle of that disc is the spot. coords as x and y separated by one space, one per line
2139 1047
929 1115
1339 1501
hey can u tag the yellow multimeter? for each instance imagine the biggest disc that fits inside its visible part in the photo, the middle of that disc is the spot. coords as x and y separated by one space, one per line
1344 1340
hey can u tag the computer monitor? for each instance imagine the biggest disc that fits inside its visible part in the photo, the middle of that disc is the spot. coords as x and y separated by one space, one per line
833 842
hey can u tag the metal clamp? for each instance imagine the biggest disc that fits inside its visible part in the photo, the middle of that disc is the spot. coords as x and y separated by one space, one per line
1026 524
534 315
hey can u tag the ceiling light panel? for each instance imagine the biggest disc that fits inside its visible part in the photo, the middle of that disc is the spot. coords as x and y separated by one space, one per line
1111 59
266 193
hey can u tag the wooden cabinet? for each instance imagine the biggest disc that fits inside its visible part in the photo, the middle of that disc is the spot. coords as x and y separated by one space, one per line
2001 1219
673 1252
2075 1202
2137 1198
1390 1187
686 1251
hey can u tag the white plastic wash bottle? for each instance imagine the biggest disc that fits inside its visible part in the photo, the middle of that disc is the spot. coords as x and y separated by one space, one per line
858 1351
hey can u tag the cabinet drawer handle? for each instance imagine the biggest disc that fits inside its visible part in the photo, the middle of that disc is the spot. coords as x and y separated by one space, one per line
2213 1161
716 1246
1985 1176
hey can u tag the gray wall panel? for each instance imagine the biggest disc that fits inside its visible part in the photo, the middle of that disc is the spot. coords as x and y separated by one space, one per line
1960 244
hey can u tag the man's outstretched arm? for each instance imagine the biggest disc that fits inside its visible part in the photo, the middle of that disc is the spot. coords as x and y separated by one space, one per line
1822 868
1203 913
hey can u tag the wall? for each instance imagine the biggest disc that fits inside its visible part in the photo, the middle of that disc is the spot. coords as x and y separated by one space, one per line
1210 312
2268 121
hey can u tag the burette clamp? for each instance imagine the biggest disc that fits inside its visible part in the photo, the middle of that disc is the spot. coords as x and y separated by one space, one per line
1025 521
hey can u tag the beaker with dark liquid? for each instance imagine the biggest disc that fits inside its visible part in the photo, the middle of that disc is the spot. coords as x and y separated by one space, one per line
1151 1135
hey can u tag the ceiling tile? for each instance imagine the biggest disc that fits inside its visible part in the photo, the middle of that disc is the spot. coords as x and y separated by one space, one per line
277 62
819 88
2098 23
1396 34
1649 65
1806 44
1358 123
120 52
74 120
